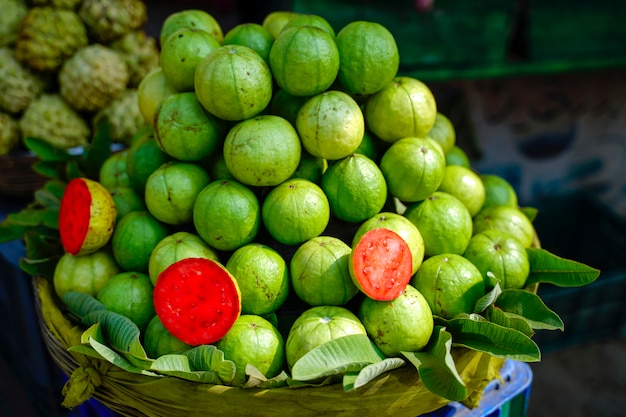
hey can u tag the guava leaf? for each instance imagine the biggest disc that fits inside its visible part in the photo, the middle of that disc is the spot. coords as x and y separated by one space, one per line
50 194
356 380
436 367
178 365
503 318
80 304
45 151
43 250
345 354
50 169
530 307
530 212
210 358
329 380
116 359
488 299
86 350
119 331
99 149
256 379
92 332
546 267
475 332
73 170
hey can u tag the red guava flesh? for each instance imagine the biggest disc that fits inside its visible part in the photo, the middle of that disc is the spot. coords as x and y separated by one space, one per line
197 300
381 264
75 215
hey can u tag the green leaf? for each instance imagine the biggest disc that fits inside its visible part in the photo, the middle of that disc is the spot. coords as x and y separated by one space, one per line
10 232
356 380
50 195
80 304
116 359
475 332
178 365
86 350
255 378
488 299
530 307
73 170
546 267
119 331
40 267
210 358
99 149
530 212
344 354
46 151
50 169
436 367
496 315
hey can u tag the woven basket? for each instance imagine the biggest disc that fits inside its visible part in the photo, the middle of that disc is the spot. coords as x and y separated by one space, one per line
17 177
396 393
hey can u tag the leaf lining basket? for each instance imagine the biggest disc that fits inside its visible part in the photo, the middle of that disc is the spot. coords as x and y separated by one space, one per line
398 393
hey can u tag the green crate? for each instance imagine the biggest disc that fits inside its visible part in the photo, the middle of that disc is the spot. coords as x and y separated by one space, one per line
576 30
579 227
453 34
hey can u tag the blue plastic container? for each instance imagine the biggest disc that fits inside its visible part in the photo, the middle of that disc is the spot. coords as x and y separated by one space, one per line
505 397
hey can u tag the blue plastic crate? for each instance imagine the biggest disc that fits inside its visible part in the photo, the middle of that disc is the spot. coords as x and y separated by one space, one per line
505 397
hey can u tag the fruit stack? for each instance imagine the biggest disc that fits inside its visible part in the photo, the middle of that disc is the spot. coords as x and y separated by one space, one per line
64 63
299 216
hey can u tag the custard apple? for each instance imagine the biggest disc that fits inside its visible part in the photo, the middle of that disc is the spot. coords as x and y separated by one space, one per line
124 115
107 20
48 36
57 4
52 119
140 52
18 84
13 11
92 77
9 133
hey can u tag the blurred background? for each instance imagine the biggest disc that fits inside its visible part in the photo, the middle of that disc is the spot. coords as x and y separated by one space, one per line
536 91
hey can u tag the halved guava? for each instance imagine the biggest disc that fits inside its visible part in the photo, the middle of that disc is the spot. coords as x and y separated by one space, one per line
197 300
381 264
86 216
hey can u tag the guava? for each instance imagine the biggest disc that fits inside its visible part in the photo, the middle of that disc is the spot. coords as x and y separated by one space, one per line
381 264
172 189
413 168
87 216
262 151
402 226
320 272
262 276
135 236
403 324
85 273
185 130
255 341
497 252
197 300
450 283
158 341
443 221
295 211
177 246
355 187
227 215
319 325
129 294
